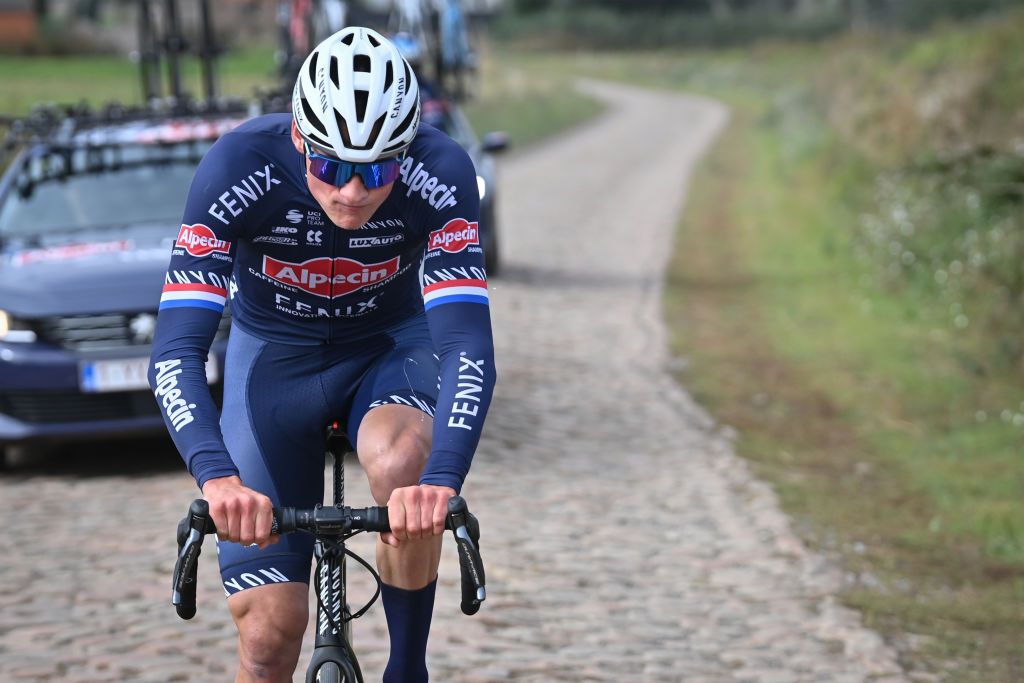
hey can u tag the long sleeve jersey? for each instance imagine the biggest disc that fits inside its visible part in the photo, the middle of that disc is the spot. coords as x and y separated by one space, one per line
254 236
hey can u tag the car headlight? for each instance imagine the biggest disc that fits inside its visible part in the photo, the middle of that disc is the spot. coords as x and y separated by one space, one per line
14 330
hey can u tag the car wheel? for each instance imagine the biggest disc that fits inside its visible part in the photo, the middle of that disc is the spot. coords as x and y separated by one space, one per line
18 456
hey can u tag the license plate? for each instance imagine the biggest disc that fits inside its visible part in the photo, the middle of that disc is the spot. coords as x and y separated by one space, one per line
126 374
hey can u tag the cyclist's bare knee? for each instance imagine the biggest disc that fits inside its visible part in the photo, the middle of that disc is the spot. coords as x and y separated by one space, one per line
270 621
393 445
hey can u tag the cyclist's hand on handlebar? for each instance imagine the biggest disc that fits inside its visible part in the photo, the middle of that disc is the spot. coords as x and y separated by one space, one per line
239 513
417 512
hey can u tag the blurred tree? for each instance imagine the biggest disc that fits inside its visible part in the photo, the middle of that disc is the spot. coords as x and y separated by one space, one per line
530 6
854 13
721 9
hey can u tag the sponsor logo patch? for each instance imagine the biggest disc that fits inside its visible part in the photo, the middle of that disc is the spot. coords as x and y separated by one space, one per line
294 216
382 241
329 277
456 235
284 230
199 240
466 405
419 180
277 239
177 409
246 192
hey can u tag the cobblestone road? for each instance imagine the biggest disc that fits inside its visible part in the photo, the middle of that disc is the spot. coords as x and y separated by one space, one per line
658 556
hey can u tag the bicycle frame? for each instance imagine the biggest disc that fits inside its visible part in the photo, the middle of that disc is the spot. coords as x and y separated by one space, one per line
332 603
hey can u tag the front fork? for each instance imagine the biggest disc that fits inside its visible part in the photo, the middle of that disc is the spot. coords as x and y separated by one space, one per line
333 603
330 646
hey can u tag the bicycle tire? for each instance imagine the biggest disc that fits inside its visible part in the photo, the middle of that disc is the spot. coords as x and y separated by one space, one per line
330 672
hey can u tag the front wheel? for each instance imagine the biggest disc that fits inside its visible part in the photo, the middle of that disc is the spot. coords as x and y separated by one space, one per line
330 673
333 668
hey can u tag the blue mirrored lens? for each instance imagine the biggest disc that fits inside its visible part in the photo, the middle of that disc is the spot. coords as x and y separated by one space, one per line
337 172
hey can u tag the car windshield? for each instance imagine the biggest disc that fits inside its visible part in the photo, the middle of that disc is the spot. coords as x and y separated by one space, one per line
80 190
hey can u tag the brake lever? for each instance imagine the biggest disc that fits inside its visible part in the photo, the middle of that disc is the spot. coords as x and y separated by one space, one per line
466 528
191 531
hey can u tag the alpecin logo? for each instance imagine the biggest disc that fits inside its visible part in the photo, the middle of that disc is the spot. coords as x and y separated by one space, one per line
321 277
179 410
456 235
199 240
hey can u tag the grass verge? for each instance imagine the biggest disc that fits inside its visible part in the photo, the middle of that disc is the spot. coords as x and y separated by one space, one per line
101 79
859 415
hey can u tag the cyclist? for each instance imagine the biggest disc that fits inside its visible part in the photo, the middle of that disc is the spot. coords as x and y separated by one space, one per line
433 108
345 235
456 54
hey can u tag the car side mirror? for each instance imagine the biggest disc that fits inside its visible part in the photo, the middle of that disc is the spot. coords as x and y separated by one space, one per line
494 142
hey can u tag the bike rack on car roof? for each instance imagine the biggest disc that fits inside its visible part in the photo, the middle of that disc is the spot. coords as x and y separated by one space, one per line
63 124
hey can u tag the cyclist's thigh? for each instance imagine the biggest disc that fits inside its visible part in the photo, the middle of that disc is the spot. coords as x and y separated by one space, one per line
273 420
406 375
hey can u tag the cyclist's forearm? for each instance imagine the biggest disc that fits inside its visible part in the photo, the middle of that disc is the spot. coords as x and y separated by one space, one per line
190 414
463 340
177 376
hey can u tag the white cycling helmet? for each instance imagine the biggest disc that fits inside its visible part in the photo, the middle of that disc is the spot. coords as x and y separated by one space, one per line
356 97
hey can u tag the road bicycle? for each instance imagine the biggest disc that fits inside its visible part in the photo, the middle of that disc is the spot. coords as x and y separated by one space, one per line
334 660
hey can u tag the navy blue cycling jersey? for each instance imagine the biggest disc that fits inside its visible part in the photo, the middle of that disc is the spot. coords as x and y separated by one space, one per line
253 234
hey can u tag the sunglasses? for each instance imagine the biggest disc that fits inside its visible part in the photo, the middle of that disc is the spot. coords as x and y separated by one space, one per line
337 172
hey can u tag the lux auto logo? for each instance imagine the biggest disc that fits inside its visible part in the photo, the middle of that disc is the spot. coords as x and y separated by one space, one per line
328 277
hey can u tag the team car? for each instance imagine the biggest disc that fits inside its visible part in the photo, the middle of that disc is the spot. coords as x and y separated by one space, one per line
88 213
446 116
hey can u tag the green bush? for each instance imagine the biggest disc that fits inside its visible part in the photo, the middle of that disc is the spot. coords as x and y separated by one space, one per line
604 29
954 229
920 14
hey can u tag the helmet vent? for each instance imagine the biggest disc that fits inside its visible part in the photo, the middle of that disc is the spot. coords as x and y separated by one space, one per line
361 63
313 119
343 127
312 67
320 142
375 133
348 39
388 76
361 97
405 124
408 72
373 41
334 74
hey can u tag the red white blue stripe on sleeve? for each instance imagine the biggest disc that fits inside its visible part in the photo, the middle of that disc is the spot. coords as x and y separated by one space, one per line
455 291
196 296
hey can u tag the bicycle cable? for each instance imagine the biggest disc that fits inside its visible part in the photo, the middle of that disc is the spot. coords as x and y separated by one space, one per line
333 547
